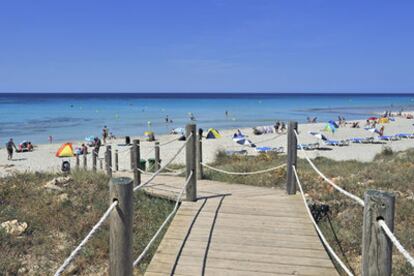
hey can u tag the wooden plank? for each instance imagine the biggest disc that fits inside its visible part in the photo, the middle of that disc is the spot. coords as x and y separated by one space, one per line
252 231
196 265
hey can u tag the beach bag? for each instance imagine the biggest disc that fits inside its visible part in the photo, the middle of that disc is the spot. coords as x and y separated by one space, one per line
65 166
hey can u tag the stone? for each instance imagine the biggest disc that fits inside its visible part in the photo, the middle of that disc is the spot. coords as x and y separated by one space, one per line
58 182
13 227
63 197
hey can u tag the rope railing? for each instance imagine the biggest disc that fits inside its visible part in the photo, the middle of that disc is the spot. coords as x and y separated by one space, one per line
395 241
338 188
325 242
155 174
242 173
86 239
141 256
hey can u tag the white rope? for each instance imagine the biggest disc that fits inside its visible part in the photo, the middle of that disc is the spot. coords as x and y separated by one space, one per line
317 227
155 174
348 194
169 142
136 262
86 239
395 241
242 173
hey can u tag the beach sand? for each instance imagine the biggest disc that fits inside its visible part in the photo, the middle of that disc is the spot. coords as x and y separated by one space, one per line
43 157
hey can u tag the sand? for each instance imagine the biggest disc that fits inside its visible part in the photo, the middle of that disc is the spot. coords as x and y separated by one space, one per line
43 157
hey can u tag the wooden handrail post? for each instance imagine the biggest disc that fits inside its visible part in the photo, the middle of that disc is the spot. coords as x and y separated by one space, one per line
85 161
200 174
135 161
108 160
77 161
157 159
120 228
291 157
190 156
94 156
376 246
116 160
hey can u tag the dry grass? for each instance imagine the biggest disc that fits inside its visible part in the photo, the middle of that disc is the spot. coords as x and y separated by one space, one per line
392 172
55 227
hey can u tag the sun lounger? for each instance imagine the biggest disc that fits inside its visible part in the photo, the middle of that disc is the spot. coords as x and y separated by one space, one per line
269 149
336 143
362 140
405 135
388 138
312 146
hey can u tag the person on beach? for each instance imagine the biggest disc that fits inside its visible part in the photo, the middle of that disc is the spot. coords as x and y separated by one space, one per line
167 120
381 131
282 127
50 139
277 125
96 146
84 149
9 146
226 113
105 132
192 117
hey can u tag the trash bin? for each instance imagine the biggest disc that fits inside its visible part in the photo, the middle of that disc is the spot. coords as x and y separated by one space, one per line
127 140
151 164
142 164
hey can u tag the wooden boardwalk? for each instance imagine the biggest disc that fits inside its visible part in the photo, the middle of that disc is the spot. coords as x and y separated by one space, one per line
237 229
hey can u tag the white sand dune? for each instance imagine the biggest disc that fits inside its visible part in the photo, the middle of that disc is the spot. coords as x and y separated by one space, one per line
43 157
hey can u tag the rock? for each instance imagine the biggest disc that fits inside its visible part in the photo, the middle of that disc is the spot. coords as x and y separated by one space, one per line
53 187
58 182
22 271
62 197
72 269
13 227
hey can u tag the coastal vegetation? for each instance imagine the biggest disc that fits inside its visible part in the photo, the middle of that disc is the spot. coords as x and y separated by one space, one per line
55 218
342 224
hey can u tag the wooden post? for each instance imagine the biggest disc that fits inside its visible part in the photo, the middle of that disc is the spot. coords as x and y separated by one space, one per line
116 161
85 161
94 156
135 159
120 228
108 160
191 189
157 164
291 157
376 246
199 156
77 161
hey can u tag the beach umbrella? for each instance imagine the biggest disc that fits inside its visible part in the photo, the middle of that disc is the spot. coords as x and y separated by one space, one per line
332 122
330 127
372 118
318 135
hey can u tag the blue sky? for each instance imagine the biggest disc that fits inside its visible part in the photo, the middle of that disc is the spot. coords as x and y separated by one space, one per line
207 46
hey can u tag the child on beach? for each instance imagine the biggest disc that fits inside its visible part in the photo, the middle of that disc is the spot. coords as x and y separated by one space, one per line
9 146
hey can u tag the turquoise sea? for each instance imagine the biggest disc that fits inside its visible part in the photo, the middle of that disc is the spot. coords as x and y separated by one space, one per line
69 117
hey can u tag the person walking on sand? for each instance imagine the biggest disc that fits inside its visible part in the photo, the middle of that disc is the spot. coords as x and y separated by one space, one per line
9 146
105 132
